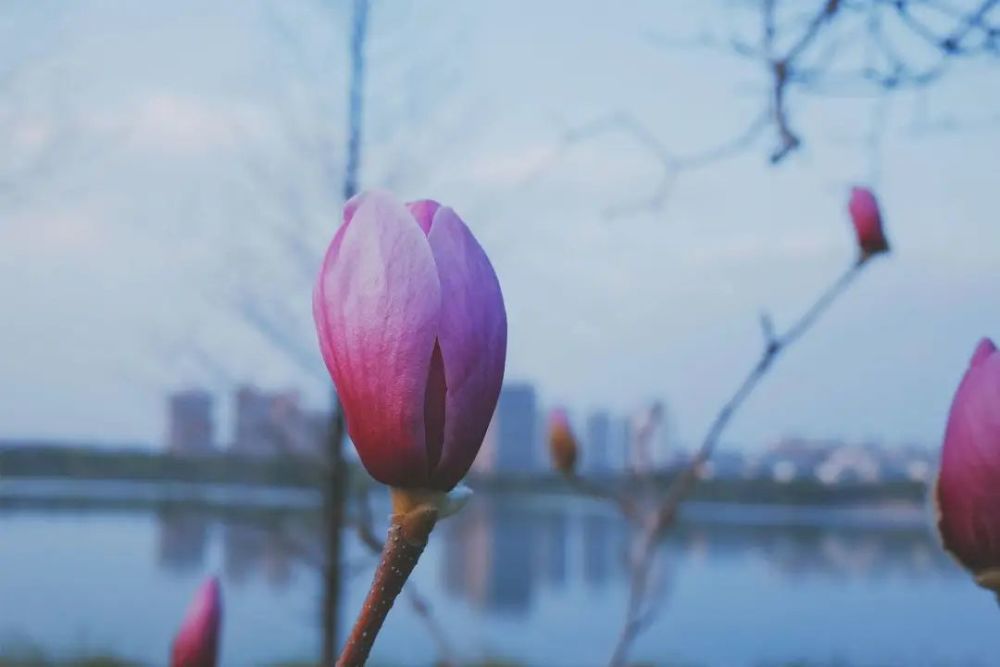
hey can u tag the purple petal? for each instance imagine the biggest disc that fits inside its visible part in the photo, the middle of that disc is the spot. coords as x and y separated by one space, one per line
984 350
378 306
473 339
424 210
968 489
197 642
434 409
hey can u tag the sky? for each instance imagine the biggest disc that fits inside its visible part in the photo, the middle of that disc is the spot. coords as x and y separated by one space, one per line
169 179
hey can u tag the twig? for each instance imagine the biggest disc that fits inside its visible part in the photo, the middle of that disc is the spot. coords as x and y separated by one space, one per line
774 346
408 533
420 604
684 481
623 502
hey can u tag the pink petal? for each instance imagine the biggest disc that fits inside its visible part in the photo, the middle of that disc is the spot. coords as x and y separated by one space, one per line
968 489
351 205
867 220
318 304
424 210
378 306
197 642
559 419
984 350
473 339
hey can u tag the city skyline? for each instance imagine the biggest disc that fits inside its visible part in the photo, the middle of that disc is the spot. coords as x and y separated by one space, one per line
273 423
604 309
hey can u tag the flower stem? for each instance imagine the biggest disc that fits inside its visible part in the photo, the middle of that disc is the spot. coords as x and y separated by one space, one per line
411 525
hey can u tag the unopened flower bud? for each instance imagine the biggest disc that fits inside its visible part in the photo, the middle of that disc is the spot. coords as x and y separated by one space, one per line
562 442
968 485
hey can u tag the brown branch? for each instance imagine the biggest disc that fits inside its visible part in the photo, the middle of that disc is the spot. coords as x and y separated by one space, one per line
684 482
671 164
420 605
635 619
408 534
584 487
773 348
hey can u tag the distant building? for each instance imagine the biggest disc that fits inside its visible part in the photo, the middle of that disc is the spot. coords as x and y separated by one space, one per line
607 446
834 462
274 423
726 465
597 455
190 426
491 557
794 459
511 442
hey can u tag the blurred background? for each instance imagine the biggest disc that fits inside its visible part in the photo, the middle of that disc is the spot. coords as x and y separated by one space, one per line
647 177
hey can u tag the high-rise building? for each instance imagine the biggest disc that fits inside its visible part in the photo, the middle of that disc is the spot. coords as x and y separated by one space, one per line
606 447
274 423
190 427
511 443
517 429
596 454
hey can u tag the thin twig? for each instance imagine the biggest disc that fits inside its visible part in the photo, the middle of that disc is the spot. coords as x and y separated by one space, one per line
584 487
405 543
421 606
684 481
773 348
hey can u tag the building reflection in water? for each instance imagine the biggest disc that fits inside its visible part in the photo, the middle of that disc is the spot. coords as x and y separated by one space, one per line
489 556
251 547
553 542
501 553
602 548
798 552
183 540
263 550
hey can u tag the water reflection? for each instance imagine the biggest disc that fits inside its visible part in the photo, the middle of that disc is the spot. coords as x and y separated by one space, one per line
183 540
496 553
540 581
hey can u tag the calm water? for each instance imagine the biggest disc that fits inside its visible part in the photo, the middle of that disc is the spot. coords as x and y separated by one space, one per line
538 581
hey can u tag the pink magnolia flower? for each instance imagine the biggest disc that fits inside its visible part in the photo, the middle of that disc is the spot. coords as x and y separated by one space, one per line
562 443
867 220
413 330
968 486
197 642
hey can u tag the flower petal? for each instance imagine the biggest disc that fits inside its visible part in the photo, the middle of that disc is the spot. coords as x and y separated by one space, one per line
197 642
378 306
864 210
473 339
968 489
424 210
984 350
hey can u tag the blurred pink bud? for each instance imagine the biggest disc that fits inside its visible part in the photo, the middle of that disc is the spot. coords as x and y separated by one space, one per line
968 486
867 220
413 330
562 443
197 642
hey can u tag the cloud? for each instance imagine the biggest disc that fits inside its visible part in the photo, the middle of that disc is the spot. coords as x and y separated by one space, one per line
59 232
181 125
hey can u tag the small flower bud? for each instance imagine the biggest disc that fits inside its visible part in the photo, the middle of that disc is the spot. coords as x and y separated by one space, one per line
197 642
867 220
968 485
562 443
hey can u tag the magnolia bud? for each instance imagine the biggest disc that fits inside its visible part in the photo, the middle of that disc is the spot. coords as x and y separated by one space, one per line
562 442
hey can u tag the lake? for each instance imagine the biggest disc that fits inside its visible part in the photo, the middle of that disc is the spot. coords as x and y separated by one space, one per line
531 580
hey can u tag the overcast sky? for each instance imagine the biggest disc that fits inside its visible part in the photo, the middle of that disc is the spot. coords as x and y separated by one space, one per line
157 155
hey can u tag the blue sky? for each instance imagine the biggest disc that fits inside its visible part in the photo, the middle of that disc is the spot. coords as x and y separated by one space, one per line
194 139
